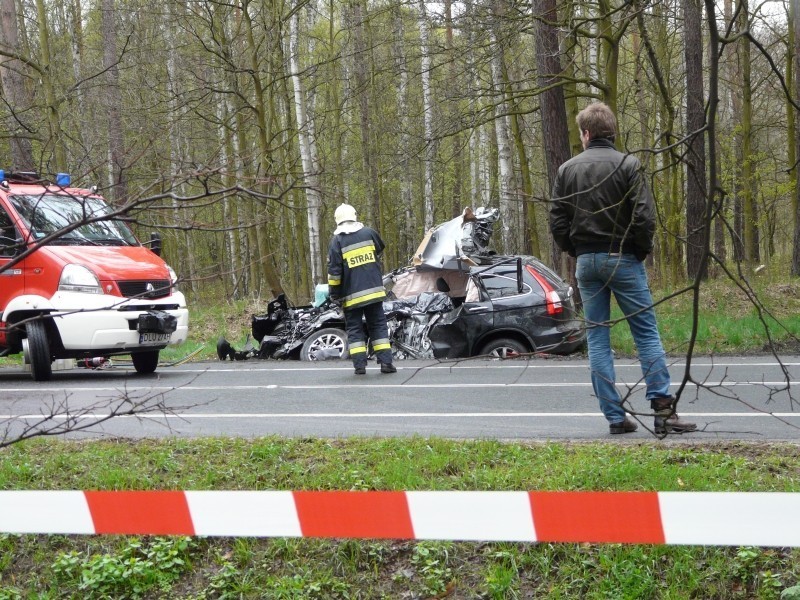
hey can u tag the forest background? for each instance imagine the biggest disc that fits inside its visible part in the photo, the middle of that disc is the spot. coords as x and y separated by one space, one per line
236 128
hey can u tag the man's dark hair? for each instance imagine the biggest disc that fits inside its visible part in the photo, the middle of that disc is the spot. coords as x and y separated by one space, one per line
599 120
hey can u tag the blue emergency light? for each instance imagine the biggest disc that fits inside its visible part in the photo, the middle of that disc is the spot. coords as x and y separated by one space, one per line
63 179
2 174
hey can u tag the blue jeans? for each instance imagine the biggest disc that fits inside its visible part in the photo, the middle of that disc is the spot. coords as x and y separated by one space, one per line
598 276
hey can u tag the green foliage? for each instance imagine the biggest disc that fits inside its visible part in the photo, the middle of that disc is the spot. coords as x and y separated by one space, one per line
133 571
729 321
432 563
210 568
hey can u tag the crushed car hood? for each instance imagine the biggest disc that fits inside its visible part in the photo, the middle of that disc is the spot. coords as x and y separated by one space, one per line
460 243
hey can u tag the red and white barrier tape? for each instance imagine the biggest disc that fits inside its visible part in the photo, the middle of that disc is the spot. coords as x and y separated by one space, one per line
703 518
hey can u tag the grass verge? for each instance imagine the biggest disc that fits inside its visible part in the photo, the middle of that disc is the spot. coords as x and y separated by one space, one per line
127 567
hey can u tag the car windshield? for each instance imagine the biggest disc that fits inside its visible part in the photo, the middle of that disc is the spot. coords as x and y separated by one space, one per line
45 214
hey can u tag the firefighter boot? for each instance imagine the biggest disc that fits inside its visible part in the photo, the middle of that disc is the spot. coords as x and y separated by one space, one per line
388 368
666 419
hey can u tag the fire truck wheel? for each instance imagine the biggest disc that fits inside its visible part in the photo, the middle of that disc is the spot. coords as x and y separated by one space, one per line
39 351
145 362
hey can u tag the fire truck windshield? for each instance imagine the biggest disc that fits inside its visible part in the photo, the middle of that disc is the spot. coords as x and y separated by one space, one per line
81 220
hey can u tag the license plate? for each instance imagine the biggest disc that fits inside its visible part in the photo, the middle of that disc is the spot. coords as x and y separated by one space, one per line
154 339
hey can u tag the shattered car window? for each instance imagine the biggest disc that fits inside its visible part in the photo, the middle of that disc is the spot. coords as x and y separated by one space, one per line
502 286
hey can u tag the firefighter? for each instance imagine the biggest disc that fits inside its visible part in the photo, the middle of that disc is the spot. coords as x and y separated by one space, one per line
355 280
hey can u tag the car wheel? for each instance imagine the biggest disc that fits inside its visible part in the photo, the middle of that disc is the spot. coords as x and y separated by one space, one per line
145 362
39 351
330 342
504 348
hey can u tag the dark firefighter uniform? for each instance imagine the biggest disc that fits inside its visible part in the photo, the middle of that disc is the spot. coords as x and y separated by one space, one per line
355 279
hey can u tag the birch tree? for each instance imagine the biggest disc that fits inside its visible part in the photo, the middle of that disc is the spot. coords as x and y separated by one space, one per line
427 111
308 150
406 176
504 158
113 103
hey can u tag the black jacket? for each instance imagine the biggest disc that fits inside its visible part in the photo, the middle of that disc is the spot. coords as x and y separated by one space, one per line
354 273
601 203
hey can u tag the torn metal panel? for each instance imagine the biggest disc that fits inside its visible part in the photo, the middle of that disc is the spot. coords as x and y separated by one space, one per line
460 243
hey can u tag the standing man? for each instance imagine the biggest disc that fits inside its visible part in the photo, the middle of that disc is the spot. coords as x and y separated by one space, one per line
603 213
355 279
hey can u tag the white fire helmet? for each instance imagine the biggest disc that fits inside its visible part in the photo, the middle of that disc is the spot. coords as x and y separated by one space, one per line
343 213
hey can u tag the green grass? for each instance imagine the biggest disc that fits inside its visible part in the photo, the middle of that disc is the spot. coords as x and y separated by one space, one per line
93 567
201 568
728 322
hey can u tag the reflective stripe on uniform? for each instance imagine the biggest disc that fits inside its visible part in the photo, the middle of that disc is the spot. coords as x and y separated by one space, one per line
357 348
332 281
359 254
378 345
363 296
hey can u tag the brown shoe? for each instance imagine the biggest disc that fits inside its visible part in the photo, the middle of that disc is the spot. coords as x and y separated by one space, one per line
672 424
626 426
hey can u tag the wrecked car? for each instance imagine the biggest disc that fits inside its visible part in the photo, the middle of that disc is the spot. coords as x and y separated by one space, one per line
456 299
313 332
469 301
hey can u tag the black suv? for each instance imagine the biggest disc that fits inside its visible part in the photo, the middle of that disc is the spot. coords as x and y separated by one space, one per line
509 305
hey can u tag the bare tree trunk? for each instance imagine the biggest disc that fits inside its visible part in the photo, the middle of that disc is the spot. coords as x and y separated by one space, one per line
230 209
427 107
308 153
485 174
696 251
185 260
453 82
504 159
406 180
14 92
749 206
76 38
529 222
56 144
113 99
475 147
794 24
369 160
555 132
263 245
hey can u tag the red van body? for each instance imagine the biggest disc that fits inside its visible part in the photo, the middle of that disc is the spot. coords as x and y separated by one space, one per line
90 288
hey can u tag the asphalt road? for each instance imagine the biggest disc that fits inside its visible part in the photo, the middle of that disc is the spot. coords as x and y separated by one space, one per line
741 398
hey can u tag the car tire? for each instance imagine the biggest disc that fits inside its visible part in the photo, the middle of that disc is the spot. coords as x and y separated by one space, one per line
145 362
503 348
329 338
39 350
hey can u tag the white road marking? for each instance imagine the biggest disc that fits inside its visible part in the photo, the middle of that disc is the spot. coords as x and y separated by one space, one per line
191 387
470 415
